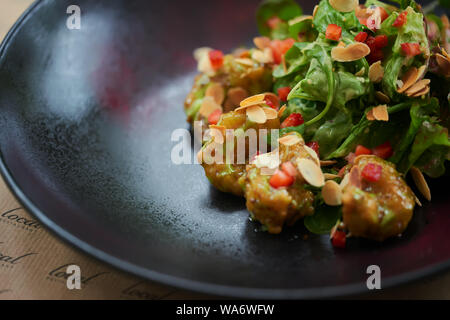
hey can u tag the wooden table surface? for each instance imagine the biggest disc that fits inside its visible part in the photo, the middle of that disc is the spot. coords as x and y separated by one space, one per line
38 275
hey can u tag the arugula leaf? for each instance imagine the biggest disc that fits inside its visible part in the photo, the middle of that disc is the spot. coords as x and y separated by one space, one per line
429 134
432 161
299 129
372 133
323 219
391 72
331 133
295 60
283 9
318 73
419 112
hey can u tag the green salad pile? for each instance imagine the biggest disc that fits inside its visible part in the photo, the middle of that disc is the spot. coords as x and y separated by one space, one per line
350 80
334 97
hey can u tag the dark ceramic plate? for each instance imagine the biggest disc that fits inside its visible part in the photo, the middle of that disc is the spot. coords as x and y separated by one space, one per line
85 138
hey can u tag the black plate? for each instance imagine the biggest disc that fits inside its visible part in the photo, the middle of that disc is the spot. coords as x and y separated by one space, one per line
85 137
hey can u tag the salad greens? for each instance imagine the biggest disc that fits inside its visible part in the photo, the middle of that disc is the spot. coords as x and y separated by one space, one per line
334 98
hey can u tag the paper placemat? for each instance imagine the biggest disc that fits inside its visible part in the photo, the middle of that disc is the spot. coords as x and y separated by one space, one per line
33 262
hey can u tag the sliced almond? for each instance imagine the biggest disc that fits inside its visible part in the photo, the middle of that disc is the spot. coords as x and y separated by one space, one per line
256 114
418 86
376 72
201 52
344 5
245 61
204 66
380 113
262 42
209 105
354 178
269 160
341 44
290 140
382 97
369 115
311 172
241 53
362 11
313 154
444 63
361 72
281 111
421 92
265 56
332 193
417 200
411 77
344 181
216 91
352 52
421 183
421 72
267 171
270 113
299 19
236 95
445 54
325 163
330 176
252 101
315 10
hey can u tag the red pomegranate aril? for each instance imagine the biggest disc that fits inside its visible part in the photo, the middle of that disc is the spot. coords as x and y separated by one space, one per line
375 56
361 37
361 150
381 41
333 32
280 47
339 239
372 172
270 103
410 49
214 117
283 93
280 179
383 151
293 120
314 145
401 20
216 58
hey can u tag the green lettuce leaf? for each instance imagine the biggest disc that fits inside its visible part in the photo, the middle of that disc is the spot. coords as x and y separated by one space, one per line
323 219
326 14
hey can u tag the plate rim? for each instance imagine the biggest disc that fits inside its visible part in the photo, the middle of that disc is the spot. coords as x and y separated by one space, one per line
179 282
